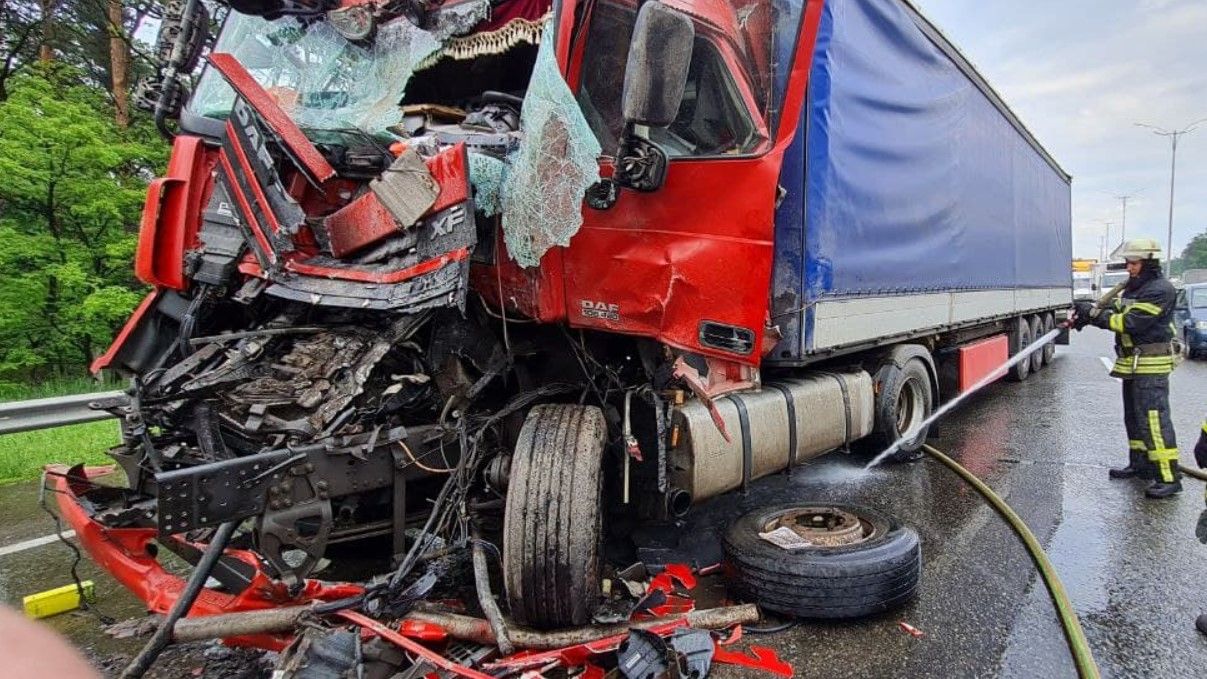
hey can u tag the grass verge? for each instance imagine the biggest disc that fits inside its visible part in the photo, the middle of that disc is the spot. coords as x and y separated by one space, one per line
22 455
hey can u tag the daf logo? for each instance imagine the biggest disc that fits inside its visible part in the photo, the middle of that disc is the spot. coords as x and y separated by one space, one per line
601 310
248 122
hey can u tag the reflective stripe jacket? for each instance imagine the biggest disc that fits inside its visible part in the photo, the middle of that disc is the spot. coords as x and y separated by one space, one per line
1142 320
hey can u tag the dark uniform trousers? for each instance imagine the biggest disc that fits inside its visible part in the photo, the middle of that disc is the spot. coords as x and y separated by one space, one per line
1152 444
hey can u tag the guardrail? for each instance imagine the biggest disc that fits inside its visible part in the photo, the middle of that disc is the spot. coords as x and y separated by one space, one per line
58 411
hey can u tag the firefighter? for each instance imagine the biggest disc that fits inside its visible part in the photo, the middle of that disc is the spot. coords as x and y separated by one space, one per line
1142 319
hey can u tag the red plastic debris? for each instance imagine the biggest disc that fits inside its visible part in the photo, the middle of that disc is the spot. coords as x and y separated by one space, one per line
760 658
592 672
910 629
572 656
675 605
674 572
424 631
411 646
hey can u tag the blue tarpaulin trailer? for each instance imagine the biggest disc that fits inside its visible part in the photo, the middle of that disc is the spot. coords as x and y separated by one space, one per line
915 201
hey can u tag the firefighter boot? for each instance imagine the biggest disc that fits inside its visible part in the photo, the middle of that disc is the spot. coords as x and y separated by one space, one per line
1168 478
1160 489
1137 466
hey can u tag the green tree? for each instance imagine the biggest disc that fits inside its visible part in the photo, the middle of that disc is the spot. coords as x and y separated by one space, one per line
1195 254
72 190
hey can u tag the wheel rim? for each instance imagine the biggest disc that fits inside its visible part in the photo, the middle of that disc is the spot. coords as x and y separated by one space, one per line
910 411
824 527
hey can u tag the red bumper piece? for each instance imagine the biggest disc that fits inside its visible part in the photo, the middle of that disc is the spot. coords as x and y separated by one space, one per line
127 554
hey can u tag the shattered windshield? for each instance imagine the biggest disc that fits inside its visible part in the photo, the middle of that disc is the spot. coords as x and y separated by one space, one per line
321 79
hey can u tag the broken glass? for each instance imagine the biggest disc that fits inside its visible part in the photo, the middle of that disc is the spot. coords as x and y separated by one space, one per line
322 80
550 171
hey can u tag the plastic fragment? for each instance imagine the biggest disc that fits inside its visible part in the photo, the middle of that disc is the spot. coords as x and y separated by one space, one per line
695 649
555 164
643 656
673 573
910 629
760 658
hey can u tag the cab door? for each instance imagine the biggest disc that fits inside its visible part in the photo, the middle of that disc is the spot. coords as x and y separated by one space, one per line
690 263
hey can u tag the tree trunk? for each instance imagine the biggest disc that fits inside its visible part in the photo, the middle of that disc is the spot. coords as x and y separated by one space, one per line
119 60
46 51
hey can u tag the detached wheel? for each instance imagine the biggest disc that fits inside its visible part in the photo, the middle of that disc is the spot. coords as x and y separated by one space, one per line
904 399
1049 350
1037 331
859 562
1020 338
552 524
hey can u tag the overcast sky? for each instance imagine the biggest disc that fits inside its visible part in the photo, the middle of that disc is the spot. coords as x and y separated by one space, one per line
1081 73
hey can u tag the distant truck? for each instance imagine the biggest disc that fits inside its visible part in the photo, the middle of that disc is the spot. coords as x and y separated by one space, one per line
1194 276
1085 283
802 224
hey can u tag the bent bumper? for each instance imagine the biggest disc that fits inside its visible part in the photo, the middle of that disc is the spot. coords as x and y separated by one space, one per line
128 554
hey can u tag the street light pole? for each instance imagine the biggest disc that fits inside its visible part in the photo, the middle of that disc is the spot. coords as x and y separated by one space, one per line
1174 135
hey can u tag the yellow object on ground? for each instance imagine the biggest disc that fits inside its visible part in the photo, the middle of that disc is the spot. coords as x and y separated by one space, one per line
57 600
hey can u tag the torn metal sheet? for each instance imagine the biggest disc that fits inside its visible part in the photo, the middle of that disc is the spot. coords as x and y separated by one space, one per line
556 163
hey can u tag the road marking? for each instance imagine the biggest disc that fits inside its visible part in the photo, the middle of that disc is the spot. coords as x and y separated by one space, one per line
1110 365
36 542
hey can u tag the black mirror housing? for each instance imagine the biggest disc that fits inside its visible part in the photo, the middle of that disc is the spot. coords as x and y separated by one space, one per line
656 73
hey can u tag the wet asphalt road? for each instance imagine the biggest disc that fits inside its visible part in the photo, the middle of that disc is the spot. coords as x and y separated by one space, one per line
1133 567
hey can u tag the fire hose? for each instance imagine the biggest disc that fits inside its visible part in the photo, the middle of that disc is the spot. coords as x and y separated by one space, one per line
1083 659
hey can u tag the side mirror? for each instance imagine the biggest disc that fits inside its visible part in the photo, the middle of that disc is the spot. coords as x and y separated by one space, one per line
183 34
654 79
656 73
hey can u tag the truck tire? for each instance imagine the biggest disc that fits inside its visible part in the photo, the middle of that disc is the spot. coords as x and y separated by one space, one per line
552 523
1037 331
1049 351
866 566
1020 338
904 399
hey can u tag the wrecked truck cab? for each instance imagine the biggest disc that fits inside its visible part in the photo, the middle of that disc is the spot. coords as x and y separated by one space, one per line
423 272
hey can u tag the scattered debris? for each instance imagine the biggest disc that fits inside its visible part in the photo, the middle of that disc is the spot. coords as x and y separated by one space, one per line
58 600
911 630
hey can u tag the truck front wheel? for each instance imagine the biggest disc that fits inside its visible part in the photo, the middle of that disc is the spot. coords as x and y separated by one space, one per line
552 524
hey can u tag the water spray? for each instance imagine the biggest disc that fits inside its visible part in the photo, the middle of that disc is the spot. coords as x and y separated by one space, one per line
1038 344
1021 356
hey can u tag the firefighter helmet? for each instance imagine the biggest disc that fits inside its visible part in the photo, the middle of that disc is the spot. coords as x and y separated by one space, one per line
1138 248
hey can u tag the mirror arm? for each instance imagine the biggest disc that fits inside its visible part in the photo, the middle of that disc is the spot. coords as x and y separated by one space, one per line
171 72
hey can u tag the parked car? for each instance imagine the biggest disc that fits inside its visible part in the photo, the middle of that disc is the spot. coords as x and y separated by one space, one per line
1190 315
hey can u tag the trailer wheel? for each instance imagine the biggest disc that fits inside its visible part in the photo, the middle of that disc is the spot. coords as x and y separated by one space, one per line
1020 338
552 523
1049 351
904 399
1037 331
858 563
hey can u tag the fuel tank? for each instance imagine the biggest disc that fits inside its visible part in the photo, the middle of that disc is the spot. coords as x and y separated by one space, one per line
785 423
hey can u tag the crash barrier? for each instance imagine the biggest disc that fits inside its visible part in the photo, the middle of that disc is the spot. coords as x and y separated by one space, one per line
58 411
1078 645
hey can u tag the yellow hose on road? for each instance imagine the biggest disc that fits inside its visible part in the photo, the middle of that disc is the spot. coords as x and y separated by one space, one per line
1080 647
1192 472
